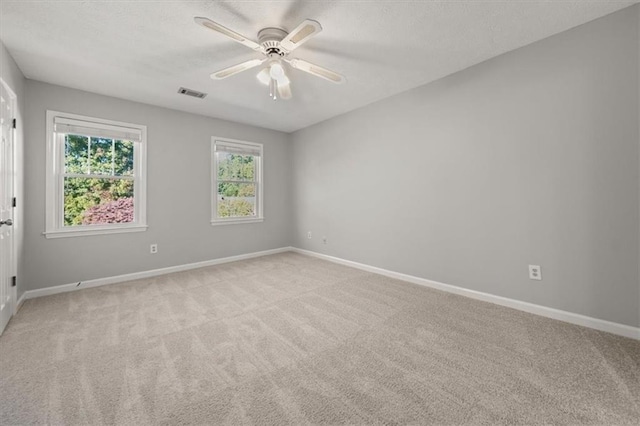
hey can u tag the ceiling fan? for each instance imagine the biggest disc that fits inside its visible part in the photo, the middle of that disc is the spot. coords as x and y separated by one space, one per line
276 45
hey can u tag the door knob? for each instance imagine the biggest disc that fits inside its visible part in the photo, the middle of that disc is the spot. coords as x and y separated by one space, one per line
7 222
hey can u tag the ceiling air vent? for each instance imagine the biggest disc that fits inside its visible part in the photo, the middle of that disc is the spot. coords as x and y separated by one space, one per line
190 92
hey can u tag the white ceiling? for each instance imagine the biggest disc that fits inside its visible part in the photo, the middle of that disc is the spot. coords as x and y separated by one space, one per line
144 50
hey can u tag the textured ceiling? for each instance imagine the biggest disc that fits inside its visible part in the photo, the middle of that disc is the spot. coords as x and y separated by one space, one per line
144 50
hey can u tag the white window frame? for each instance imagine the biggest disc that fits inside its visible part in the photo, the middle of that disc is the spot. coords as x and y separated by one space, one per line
259 217
54 227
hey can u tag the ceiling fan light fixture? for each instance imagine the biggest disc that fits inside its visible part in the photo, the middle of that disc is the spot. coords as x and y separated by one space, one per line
276 71
283 81
278 87
284 91
264 76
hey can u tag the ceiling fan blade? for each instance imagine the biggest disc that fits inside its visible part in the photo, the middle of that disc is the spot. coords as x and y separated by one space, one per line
317 70
208 23
284 90
301 34
233 70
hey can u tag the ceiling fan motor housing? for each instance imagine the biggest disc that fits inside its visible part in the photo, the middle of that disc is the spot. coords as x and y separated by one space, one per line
270 38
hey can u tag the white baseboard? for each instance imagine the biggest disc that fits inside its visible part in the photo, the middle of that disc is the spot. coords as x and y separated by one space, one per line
30 294
20 302
570 317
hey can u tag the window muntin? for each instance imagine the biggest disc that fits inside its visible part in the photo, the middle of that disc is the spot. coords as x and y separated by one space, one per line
237 181
96 176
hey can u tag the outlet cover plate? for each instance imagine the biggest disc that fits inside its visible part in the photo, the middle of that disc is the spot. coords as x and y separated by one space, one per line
535 272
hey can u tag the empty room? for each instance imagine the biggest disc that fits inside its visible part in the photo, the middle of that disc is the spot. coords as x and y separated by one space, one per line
320 212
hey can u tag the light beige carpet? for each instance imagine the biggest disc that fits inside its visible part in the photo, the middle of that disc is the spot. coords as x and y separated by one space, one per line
289 339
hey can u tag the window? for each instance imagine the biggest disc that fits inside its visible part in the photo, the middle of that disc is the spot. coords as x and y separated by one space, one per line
237 182
96 181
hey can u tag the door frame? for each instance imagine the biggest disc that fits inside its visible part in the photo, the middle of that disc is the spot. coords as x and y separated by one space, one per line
15 173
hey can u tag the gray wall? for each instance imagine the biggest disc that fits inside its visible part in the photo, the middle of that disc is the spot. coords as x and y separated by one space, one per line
12 75
529 158
178 193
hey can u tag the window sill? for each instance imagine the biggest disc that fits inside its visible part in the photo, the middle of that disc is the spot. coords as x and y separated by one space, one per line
94 231
236 221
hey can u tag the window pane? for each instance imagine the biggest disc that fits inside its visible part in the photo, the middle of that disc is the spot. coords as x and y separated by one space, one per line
235 166
76 148
101 156
123 158
97 201
236 199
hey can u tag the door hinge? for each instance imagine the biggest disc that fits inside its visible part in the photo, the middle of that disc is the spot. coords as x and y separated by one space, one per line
14 202
14 123
13 281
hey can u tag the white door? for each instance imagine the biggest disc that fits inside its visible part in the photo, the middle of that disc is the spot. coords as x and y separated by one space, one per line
6 205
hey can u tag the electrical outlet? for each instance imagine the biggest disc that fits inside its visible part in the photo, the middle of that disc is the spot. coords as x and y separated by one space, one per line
309 235
324 240
153 248
535 272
